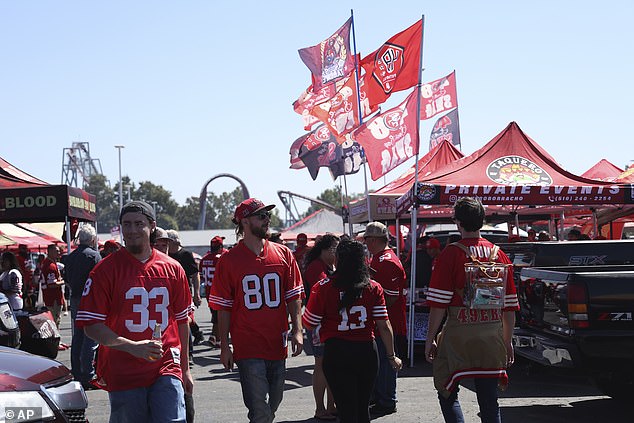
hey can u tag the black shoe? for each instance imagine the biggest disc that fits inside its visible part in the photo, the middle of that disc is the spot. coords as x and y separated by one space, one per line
199 338
378 410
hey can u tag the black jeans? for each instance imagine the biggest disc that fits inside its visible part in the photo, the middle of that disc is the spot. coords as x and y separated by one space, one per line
351 369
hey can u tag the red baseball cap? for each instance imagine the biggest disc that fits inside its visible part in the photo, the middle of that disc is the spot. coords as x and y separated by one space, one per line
432 243
248 207
217 239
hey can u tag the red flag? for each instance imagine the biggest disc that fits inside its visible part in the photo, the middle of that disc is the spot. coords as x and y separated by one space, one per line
341 112
331 59
390 138
438 96
395 66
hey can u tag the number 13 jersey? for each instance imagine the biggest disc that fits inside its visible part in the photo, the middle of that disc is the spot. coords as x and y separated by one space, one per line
130 297
355 323
256 289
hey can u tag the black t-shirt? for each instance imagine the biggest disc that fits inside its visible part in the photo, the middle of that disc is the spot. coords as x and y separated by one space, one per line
186 259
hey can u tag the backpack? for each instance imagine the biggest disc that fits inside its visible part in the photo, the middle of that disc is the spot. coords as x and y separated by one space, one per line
485 282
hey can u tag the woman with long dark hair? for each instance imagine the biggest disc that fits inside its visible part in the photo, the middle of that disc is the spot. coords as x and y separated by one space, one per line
319 263
11 280
348 306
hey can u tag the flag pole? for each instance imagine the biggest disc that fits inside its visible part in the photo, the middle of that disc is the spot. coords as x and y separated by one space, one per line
356 77
345 184
414 210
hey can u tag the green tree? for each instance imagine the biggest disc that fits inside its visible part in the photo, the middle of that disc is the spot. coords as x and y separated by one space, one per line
188 215
161 199
107 204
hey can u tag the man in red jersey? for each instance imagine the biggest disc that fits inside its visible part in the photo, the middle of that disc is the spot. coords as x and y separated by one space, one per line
474 343
386 269
134 296
207 269
52 283
301 248
256 285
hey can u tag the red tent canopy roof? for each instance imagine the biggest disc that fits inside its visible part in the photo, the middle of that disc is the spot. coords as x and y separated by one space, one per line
438 157
512 169
13 173
603 170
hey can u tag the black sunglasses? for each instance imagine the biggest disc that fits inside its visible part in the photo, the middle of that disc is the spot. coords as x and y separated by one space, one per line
262 215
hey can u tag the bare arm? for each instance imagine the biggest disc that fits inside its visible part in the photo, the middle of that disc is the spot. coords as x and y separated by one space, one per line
387 337
146 349
297 337
196 284
226 355
508 323
436 316
183 335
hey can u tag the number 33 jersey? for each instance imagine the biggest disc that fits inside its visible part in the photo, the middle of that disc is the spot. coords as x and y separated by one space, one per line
355 323
256 289
130 297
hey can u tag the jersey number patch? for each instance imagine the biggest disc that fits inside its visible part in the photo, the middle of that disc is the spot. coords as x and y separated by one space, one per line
356 320
264 291
157 299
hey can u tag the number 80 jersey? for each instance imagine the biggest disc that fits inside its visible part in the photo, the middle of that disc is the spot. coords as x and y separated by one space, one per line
130 297
256 289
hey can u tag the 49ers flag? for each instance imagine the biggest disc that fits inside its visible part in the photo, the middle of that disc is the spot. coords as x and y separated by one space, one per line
395 66
438 96
390 138
321 149
446 128
331 59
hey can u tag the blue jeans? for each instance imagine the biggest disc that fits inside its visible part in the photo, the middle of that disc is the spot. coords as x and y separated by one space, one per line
487 393
163 401
385 385
261 378
82 350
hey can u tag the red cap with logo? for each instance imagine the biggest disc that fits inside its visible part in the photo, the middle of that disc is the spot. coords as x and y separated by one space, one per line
217 239
249 207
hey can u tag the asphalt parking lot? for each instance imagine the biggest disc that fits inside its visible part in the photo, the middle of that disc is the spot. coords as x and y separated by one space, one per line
535 394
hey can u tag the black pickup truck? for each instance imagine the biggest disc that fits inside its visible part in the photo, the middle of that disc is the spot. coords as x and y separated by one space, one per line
577 308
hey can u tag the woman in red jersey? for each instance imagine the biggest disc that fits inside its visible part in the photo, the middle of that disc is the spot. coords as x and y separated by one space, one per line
319 263
348 306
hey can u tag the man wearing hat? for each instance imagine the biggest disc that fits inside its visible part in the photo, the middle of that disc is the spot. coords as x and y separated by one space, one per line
132 296
207 270
256 286
301 249
161 240
387 270
186 259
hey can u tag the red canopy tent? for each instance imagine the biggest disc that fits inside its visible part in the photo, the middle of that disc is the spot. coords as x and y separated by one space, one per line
604 171
26 199
512 169
383 200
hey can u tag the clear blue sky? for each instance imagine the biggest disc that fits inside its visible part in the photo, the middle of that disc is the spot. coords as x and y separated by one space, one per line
197 88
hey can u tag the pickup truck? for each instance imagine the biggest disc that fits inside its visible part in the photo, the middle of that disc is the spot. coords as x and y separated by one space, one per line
577 308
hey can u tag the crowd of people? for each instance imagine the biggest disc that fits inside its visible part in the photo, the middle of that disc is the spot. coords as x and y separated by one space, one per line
346 297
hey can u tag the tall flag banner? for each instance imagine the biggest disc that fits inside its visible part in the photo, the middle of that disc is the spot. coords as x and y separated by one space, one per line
321 149
341 112
331 59
350 158
446 128
309 99
390 138
296 147
438 96
395 66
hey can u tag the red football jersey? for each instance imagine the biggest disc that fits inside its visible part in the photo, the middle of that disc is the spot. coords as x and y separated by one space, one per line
207 268
51 292
130 297
355 323
315 271
255 289
449 274
390 274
